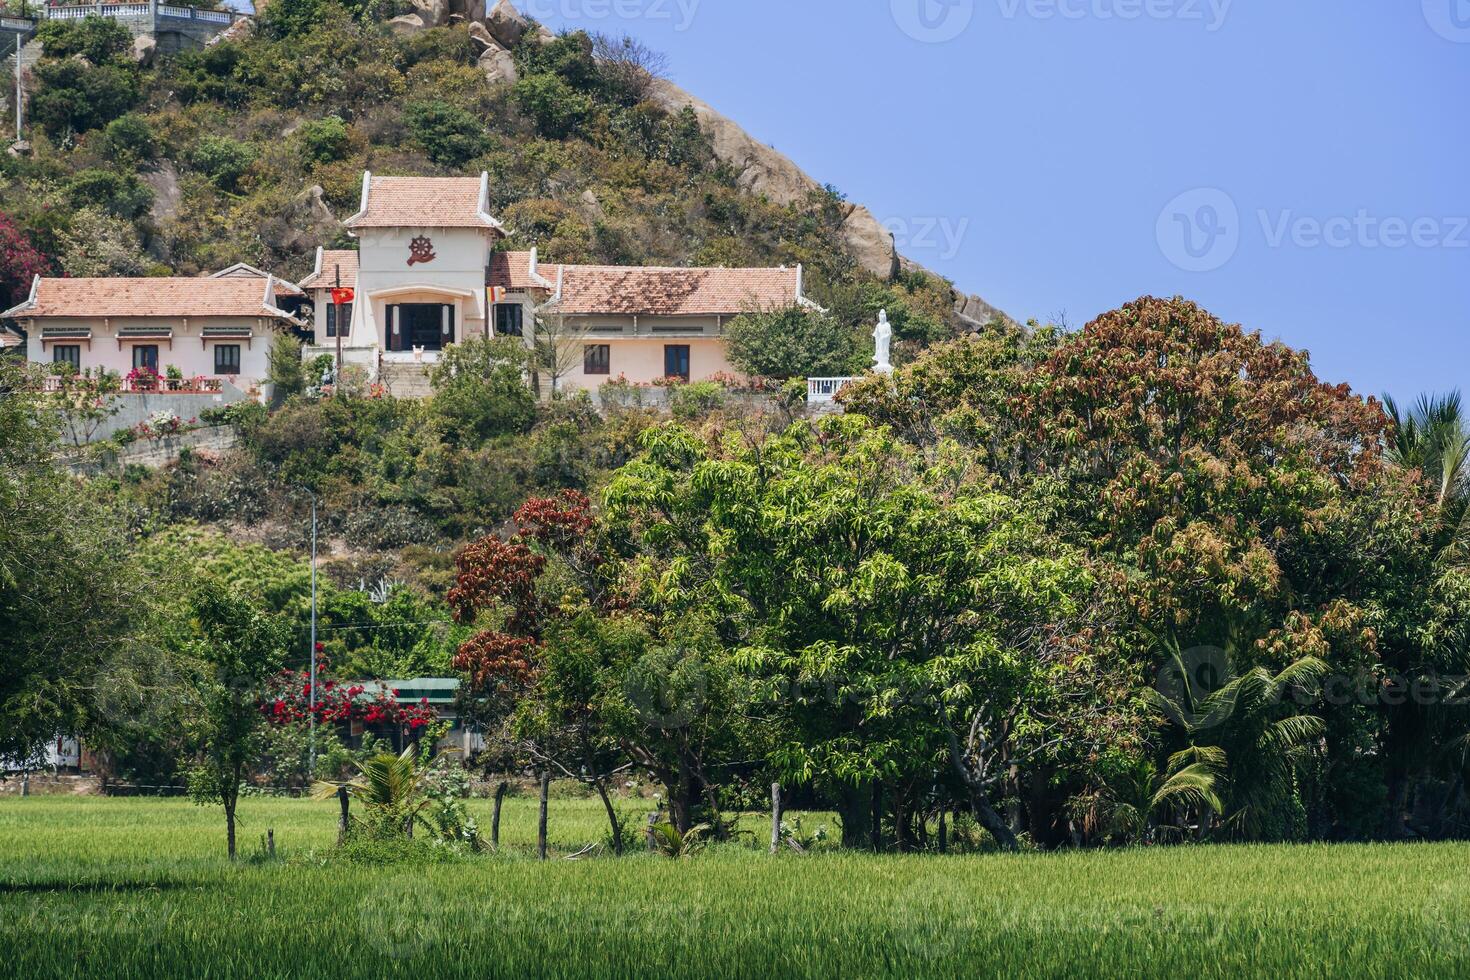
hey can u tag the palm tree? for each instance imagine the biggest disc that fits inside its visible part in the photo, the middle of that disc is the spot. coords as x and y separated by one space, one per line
392 788
1433 437
1241 750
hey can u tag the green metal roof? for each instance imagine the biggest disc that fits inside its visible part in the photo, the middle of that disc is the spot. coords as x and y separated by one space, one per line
438 690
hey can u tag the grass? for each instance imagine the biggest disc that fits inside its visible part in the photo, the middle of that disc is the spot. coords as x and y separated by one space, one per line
112 887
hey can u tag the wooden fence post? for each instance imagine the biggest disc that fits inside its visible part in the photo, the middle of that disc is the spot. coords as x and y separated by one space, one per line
943 832
25 784
495 817
541 825
342 799
775 817
270 842
648 833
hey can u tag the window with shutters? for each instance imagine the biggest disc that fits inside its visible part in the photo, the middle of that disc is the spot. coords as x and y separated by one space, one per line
227 359
597 359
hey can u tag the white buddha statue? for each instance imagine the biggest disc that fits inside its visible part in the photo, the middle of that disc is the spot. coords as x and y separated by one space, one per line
882 344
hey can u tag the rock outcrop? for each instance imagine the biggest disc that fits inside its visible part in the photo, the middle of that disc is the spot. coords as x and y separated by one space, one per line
506 24
498 65
163 180
407 24
766 171
145 49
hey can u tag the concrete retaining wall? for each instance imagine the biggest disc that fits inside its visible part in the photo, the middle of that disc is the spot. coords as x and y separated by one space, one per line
152 453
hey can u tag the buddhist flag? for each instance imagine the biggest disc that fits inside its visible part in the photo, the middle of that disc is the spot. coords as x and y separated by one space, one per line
496 293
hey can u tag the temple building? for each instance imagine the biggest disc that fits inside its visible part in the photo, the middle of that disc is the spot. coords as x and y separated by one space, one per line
210 330
428 272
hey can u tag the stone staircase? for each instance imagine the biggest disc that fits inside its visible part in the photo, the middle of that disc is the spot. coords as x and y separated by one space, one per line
405 380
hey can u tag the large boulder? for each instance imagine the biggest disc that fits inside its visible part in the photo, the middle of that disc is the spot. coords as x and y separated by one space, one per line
498 65
407 24
145 48
480 38
869 242
471 11
163 180
506 24
434 13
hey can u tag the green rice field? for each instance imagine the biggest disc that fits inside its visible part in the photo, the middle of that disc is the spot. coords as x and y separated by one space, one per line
140 888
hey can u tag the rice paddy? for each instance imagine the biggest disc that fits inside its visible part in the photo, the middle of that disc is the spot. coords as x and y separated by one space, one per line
140 888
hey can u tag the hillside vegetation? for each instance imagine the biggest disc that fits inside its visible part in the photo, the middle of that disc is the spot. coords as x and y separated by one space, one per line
253 150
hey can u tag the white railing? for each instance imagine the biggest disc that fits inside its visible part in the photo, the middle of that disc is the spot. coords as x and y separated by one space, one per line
129 10
820 390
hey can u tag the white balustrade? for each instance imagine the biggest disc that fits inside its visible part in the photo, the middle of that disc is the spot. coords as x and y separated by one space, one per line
824 389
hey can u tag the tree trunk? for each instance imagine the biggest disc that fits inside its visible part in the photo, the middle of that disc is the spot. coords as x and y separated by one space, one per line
854 809
775 817
541 822
876 828
943 832
1398 796
993 822
495 816
342 821
680 795
612 818
230 828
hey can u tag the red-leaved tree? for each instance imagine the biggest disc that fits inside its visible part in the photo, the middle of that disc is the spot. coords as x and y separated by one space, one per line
20 263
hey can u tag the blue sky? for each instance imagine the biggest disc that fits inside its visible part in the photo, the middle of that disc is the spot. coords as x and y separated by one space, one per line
1301 167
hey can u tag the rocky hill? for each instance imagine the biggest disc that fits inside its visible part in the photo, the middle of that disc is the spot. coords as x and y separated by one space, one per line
252 149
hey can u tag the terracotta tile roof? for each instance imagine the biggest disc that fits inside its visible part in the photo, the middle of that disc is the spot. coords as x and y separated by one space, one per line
231 296
333 261
512 270
428 202
670 291
243 270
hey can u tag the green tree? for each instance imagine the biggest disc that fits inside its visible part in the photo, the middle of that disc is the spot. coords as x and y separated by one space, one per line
793 342
284 368
99 40
131 137
223 160
885 613
324 140
238 649
557 109
75 618
73 96
480 391
449 135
